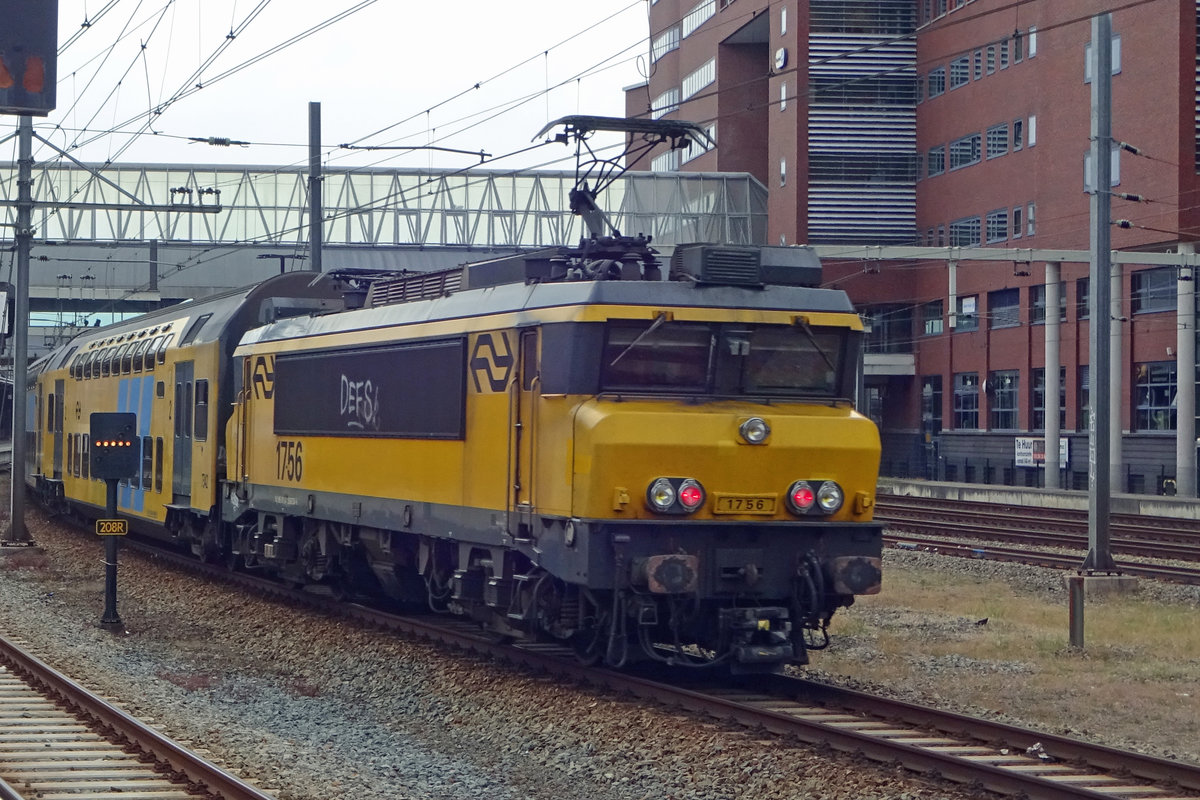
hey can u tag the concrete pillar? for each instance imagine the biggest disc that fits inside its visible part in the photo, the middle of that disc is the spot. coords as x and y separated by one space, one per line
1053 337
1185 377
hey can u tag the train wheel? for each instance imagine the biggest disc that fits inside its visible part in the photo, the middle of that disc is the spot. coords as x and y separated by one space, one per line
589 645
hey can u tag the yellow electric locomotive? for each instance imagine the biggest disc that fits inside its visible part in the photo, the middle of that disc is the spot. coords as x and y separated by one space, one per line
618 463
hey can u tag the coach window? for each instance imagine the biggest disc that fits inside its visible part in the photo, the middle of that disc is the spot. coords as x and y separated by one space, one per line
147 460
118 356
50 413
194 329
158 464
139 353
86 453
127 358
152 353
105 361
161 356
201 410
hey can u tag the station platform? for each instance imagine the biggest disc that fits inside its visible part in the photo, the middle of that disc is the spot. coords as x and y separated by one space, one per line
1147 505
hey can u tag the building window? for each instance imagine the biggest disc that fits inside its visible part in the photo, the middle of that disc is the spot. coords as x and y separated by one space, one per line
1018 47
966 151
936 82
700 13
1003 387
1154 392
1032 42
941 235
783 21
997 225
978 71
1038 399
1082 298
783 96
991 59
960 71
1004 308
937 160
699 148
1004 54
665 42
890 329
1037 303
997 140
1018 222
665 103
1018 134
931 404
783 172
968 313
964 232
966 400
931 314
702 77
1153 290
1030 227
665 162
1031 131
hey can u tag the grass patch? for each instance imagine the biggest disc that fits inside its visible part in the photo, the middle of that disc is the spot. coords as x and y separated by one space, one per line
1137 679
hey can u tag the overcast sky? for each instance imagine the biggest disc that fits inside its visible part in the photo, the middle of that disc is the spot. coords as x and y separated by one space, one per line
390 72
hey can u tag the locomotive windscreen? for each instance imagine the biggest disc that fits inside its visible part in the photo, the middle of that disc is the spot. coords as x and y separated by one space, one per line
725 359
412 391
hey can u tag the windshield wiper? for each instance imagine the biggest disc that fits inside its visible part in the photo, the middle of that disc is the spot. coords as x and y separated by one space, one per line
813 340
659 320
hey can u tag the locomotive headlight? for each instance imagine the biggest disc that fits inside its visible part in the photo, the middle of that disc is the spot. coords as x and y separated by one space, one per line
800 497
755 430
829 497
661 495
691 495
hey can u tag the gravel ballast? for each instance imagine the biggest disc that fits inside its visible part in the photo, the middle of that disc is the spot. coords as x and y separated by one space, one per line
311 707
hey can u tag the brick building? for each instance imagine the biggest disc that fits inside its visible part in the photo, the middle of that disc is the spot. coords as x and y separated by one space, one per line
927 128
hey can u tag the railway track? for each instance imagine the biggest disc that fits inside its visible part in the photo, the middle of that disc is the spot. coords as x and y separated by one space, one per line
60 741
941 526
975 752
1023 555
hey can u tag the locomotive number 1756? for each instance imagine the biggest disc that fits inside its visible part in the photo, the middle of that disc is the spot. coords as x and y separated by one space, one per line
289 461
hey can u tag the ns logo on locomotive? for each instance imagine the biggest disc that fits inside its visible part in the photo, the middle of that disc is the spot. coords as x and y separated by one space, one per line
644 460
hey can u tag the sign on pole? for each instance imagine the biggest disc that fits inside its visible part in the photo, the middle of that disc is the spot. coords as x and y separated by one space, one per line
1030 451
28 56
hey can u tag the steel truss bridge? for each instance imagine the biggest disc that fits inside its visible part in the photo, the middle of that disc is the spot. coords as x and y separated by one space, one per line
375 207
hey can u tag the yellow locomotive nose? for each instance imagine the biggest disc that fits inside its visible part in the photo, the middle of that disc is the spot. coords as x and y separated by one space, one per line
716 461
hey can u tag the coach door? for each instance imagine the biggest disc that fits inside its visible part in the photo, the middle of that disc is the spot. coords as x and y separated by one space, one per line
526 386
181 479
54 424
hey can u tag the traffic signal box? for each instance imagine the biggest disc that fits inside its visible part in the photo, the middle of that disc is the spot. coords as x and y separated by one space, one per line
114 449
28 56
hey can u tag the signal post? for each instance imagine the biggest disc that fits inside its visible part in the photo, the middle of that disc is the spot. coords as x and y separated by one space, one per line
113 457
